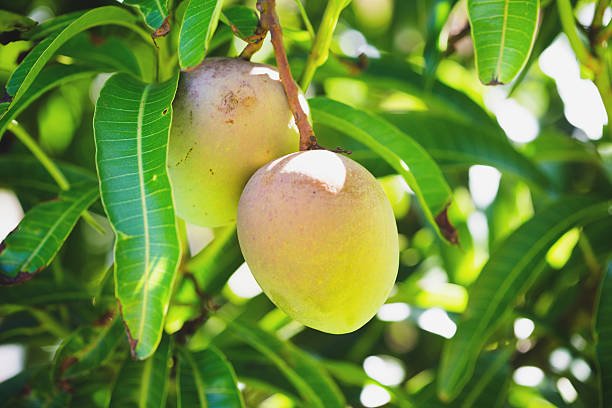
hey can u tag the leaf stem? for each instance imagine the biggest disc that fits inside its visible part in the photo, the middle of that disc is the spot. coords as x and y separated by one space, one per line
269 22
42 157
305 19
320 48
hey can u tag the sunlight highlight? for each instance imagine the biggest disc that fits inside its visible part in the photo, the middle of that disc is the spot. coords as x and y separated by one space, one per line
243 284
394 312
374 396
529 376
436 321
386 370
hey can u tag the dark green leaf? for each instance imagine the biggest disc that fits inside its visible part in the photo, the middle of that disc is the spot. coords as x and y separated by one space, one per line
144 383
131 126
514 265
199 24
406 156
440 10
306 374
206 379
153 11
11 25
28 70
40 235
603 333
241 19
503 33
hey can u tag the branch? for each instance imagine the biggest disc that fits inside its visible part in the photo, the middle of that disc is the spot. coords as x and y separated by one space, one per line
269 22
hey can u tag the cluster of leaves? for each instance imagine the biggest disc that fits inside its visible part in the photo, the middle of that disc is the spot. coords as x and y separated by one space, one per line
150 321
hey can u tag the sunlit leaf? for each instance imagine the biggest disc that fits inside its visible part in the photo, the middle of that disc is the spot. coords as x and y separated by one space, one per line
131 126
40 235
23 77
199 24
503 33
206 379
440 10
405 155
512 268
153 11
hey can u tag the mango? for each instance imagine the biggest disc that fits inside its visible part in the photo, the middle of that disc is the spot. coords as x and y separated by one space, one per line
230 117
320 238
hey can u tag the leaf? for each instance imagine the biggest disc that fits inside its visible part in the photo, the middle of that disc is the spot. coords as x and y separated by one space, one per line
24 75
603 336
12 25
394 74
503 32
108 54
153 11
52 25
512 268
452 142
39 236
131 127
241 19
406 156
306 374
49 78
440 10
213 266
144 383
98 349
199 24
206 379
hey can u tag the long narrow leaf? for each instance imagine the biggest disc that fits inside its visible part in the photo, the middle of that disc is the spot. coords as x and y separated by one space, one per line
144 383
510 271
206 379
503 33
131 125
405 155
28 70
307 375
153 11
201 19
603 333
40 235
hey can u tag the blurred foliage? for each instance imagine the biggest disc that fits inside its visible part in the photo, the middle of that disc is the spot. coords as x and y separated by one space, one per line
515 315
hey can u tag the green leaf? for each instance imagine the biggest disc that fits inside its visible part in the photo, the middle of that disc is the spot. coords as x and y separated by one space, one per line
108 54
440 10
603 336
23 77
306 374
11 22
153 11
405 155
452 142
199 24
131 127
503 32
512 268
241 19
97 349
213 266
52 25
144 383
206 379
49 78
39 236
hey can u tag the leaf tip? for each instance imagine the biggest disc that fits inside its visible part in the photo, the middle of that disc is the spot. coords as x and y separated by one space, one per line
446 228
494 81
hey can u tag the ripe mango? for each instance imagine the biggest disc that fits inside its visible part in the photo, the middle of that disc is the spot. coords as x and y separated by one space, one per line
319 236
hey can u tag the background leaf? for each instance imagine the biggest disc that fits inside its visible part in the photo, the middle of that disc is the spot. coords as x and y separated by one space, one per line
199 24
132 123
503 33
206 379
603 332
41 233
241 19
513 267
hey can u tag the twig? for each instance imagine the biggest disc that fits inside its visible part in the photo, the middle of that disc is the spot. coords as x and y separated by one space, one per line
269 22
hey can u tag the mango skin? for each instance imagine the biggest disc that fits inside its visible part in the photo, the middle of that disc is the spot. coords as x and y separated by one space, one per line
320 238
230 117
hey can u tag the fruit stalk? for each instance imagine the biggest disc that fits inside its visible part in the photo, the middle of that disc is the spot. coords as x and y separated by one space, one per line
269 21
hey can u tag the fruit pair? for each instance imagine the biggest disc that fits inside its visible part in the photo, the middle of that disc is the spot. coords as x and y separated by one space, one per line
315 227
